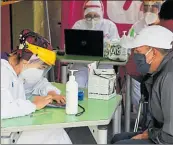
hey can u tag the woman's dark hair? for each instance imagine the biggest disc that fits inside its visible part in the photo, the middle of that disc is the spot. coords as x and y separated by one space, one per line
18 57
166 12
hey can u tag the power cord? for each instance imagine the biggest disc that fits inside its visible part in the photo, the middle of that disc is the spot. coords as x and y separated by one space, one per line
80 113
99 62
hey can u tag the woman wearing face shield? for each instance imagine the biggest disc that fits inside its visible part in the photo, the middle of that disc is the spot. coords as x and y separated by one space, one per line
151 10
93 20
38 84
15 104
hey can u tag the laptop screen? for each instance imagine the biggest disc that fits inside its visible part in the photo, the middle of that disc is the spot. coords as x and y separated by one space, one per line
84 42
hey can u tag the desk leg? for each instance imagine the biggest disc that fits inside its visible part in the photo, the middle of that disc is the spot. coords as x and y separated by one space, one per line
102 134
5 140
63 73
127 104
116 121
10 138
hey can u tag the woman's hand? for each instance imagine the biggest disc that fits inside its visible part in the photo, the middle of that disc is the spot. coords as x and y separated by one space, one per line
60 99
41 101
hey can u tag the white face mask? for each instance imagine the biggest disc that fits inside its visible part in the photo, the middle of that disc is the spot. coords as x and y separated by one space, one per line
31 77
92 24
150 18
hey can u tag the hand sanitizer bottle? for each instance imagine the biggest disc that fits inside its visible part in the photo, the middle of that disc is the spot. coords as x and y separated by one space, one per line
124 51
72 95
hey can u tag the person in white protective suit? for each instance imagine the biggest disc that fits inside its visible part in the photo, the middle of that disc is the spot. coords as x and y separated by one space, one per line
14 102
93 20
151 10
38 84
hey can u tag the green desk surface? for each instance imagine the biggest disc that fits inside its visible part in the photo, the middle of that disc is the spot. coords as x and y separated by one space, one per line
97 112
87 59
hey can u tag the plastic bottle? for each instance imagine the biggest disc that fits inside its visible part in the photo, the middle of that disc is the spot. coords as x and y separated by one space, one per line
72 95
124 51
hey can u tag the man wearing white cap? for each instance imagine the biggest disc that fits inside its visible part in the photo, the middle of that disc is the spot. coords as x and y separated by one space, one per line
93 20
153 54
150 10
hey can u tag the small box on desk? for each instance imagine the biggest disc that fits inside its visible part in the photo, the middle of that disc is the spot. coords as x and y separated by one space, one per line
101 84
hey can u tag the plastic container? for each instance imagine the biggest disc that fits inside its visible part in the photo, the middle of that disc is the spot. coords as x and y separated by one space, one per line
72 95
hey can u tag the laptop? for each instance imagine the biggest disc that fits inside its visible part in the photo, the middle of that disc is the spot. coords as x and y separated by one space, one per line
84 42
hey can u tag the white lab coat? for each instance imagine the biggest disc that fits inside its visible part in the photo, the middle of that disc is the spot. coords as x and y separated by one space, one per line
40 89
108 27
14 104
110 32
139 25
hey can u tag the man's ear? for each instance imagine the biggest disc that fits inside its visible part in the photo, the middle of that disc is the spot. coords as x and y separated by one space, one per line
155 51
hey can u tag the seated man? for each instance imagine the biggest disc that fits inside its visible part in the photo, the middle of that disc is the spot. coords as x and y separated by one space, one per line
150 10
153 54
93 20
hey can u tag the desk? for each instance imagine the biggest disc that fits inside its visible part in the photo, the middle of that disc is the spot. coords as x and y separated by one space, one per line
90 59
97 113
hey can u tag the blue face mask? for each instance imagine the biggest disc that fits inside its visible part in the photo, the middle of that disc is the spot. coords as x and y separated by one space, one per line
140 60
142 66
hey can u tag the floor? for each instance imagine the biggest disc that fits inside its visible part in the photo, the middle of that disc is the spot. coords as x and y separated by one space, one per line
83 135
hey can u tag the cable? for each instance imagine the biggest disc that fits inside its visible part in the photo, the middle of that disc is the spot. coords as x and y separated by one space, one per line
80 113
99 62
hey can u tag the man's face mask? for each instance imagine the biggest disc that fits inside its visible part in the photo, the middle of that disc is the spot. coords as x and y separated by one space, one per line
150 18
140 60
151 11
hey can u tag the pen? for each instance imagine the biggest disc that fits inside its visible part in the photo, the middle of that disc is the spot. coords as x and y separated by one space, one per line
38 114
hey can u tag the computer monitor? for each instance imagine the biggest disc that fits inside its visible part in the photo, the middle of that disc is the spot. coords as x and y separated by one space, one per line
83 42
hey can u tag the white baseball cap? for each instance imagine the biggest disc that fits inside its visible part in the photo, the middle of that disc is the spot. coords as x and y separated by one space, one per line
153 36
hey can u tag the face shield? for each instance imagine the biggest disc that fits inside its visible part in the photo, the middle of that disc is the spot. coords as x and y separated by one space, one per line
152 8
93 14
92 20
151 11
38 64
33 72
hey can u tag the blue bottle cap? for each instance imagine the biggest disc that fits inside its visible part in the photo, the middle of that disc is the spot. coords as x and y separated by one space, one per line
80 95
